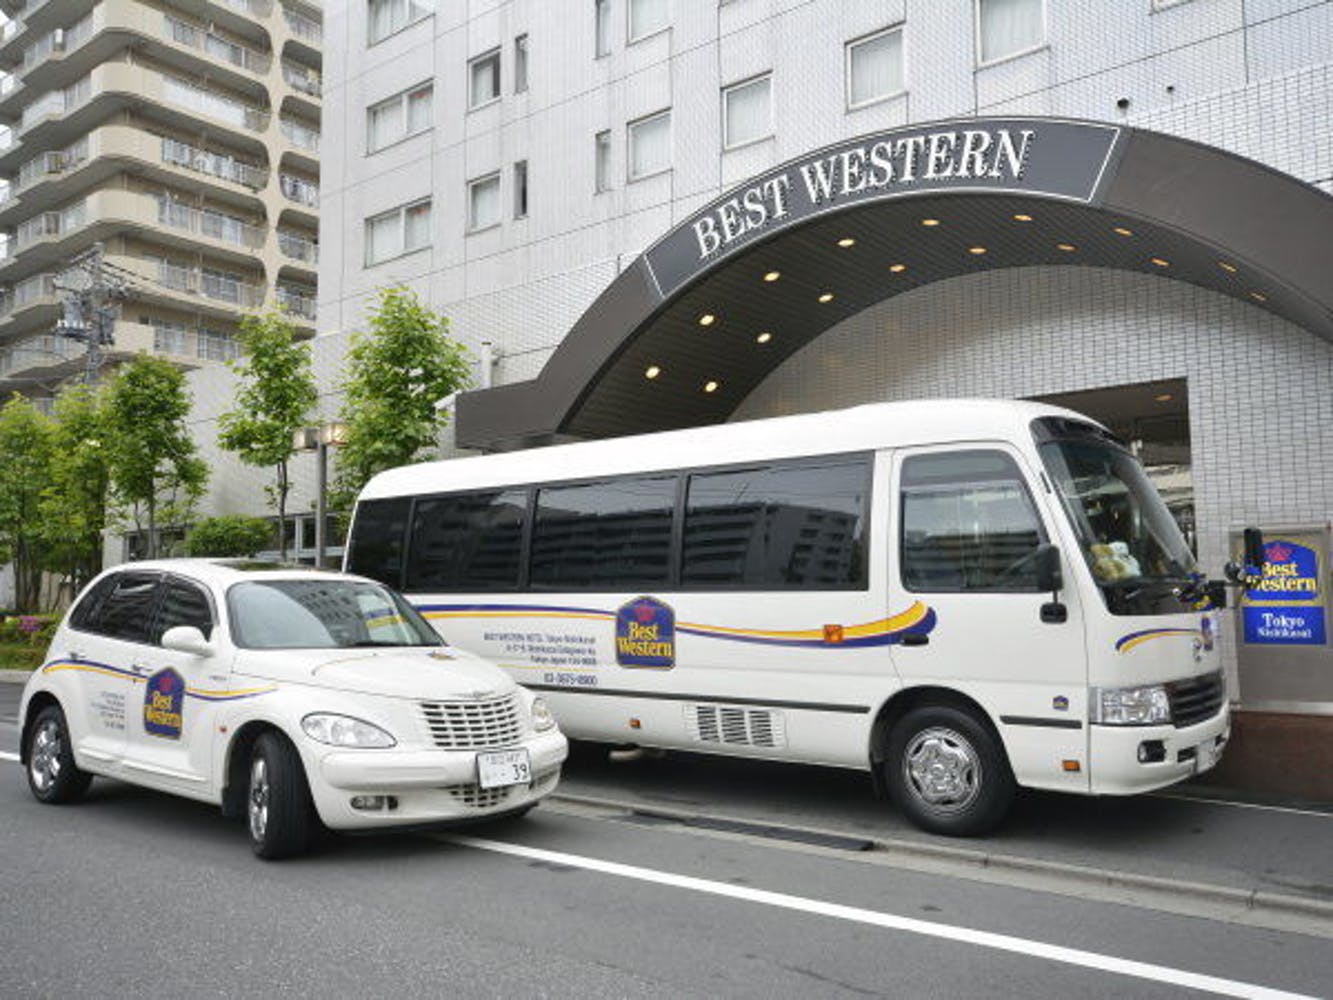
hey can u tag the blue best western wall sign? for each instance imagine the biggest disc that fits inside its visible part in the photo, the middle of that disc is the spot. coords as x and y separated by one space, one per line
1286 607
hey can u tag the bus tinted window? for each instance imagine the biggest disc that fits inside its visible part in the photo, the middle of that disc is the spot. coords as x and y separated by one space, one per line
613 535
376 546
777 527
470 541
968 523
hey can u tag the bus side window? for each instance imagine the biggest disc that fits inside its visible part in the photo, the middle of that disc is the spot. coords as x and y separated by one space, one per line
376 546
968 524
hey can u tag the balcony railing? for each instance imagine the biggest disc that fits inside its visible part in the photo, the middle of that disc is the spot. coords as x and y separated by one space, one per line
297 189
184 33
206 222
180 339
298 247
56 103
303 27
297 302
26 292
302 135
47 224
209 284
208 102
254 8
57 40
37 352
302 78
204 161
52 164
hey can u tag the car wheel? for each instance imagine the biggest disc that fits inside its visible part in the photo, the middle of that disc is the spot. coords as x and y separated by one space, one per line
278 806
52 774
947 772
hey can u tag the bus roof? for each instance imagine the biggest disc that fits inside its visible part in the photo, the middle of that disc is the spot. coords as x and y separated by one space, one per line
860 428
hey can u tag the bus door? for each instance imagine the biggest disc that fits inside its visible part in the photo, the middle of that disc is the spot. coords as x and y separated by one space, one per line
970 521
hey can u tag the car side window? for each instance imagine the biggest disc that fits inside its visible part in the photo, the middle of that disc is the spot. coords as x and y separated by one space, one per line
183 603
85 612
127 610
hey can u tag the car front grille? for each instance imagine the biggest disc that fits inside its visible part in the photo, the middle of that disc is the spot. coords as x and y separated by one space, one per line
1195 699
474 725
476 797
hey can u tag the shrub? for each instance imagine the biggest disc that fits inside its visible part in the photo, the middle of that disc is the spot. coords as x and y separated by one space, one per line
229 535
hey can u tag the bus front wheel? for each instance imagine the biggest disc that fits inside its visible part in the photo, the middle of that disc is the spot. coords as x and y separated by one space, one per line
947 772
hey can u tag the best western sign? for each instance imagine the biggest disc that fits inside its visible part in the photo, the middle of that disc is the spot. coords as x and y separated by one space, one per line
1048 158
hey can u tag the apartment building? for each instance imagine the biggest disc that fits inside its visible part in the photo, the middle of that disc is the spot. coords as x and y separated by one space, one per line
180 135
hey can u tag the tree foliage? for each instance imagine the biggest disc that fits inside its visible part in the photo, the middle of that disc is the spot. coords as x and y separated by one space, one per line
228 535
155 474
274 400
396 372
72 508
26 437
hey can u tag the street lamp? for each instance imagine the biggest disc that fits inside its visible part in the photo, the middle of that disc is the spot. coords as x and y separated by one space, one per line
319 439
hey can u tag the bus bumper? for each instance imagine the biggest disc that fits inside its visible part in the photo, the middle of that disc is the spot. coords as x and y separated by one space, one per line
1129 759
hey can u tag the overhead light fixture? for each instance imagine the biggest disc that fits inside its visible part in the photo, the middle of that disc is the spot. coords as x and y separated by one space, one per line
897 268
707 319
1164 397
826 297
1160 262
1122 231
1229 268
772 275
763 338
846 241
1066 247
652 371
930 222
711 386
1259 296
976 251
1021 217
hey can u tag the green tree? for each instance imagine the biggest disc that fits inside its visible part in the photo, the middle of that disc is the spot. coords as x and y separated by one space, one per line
395 374
228 535
25 443
274 400
73 505
155 474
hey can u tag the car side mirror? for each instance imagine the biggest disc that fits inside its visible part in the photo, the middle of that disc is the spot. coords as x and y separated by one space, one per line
186 639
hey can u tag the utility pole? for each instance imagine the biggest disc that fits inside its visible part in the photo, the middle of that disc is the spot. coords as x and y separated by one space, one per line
91 302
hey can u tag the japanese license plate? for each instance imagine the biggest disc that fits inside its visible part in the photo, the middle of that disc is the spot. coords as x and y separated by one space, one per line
499 768
1205 757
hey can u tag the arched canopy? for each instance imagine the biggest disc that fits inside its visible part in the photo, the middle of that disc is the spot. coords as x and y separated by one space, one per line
789 254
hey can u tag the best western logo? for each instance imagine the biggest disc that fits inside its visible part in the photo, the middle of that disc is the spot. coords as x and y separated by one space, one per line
646 634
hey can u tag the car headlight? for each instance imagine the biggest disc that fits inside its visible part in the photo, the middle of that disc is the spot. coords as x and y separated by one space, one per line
542 719
345 731
1131 706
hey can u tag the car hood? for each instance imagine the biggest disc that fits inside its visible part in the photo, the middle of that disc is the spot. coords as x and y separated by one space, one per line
437 673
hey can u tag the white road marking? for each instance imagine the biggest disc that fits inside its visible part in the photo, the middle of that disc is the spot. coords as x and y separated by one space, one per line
1242 805
5 755
963 935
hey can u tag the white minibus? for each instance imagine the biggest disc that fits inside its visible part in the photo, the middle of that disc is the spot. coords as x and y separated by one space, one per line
961 597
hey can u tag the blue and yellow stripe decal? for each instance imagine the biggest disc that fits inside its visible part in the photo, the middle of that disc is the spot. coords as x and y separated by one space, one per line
919 619
1135 639
106 669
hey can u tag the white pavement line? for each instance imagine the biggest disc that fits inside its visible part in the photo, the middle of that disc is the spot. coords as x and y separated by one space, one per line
963 935
1242 805
5 755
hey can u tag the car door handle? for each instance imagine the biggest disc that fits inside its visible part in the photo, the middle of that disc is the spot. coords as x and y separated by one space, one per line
74 654
140 668
915 639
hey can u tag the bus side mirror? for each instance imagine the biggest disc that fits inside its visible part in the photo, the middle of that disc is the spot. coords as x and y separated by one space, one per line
1049 576
1254 549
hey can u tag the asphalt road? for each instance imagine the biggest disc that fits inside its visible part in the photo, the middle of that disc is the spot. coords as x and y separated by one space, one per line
132 892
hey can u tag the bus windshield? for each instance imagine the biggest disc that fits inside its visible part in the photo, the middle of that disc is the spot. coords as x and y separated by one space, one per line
1132 544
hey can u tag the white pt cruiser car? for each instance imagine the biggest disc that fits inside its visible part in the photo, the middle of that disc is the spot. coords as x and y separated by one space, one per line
282 695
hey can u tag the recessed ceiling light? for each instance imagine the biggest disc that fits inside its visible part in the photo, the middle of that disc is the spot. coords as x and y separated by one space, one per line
710 386
977 251
1122 231
1164 397
772 275
707 319
1020 217
1229 268
1259 296
897 268
846 241
930 222
1160 262
826 297
1066 247
652 371
763 338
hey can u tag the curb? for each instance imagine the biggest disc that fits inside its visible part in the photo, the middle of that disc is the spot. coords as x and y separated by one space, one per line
15 676
1248 899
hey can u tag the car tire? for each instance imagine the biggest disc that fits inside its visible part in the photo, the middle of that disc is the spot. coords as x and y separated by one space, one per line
278 808
52 774
947 772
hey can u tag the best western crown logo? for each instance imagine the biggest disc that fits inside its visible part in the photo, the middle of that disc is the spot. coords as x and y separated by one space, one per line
646 634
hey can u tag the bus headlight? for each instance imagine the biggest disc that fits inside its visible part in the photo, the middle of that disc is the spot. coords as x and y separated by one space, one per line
542 719
1131 706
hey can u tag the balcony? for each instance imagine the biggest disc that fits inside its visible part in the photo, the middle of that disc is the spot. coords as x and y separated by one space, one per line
251 8
296 301
48 226
299 190
45 166
209 223
32 300
204 161
192 36
300 135
37 357
302 78
187 95
296 247
208 284
305 28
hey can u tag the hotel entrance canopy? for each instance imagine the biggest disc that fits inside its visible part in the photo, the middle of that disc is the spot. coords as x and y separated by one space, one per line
689 329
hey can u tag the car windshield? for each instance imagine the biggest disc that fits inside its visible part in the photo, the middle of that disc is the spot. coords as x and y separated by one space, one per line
1132 544
323 614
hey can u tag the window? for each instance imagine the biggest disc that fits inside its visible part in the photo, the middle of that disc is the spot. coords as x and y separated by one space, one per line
183 604
602 20
874 67
602 162
747 112
127 609
614 535
483 196
647 17
968 524
520 64
484 76
84 616
799 525
650 145
521 189
390 16
470 541
376 546
398 117
1009 27
398 232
